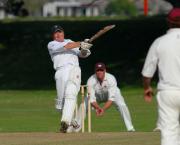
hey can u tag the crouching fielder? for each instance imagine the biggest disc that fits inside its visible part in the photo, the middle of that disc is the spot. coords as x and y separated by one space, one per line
103 89
64 54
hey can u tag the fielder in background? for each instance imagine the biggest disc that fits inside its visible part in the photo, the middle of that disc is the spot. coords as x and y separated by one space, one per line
164 54
103 89
64 54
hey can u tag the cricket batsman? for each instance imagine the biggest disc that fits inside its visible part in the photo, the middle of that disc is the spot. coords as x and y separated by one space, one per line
164 54
64 54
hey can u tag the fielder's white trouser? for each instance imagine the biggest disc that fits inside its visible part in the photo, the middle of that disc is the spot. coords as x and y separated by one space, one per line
68 80
120 105
168 117
123 109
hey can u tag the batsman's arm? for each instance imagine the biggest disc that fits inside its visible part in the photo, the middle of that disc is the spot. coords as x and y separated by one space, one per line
72 45
81 45
56 47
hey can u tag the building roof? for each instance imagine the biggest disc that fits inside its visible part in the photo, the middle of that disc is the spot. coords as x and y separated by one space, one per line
70 4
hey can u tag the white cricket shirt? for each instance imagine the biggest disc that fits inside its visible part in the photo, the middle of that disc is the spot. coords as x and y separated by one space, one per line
62 57
102 92
164 54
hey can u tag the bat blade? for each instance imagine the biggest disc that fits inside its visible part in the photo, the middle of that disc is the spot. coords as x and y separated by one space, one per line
101 32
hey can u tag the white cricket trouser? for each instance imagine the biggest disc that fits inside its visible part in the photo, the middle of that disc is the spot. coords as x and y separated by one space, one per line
68 80
121 107
168 117
61 77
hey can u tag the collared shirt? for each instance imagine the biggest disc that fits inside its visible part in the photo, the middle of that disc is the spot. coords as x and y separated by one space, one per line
164 54
104 91
63 57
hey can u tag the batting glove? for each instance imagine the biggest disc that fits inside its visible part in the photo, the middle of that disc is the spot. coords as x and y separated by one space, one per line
85 45
86 40
85 52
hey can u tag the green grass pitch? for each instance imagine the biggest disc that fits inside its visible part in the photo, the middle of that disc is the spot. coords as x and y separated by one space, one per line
29 118
33 111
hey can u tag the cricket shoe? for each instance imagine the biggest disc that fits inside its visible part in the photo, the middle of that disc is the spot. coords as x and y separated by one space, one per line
156 129
131 130
76 126
64 127
70 129
77 129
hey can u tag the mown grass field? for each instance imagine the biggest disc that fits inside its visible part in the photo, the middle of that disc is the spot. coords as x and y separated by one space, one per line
31 112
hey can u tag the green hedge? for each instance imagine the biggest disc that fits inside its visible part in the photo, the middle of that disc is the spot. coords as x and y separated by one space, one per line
25 62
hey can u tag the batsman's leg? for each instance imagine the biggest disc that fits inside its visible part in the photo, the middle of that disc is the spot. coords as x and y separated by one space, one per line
124 111
71 92
60 88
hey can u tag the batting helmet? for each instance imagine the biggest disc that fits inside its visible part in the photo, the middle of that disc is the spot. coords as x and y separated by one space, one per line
57 28
173 17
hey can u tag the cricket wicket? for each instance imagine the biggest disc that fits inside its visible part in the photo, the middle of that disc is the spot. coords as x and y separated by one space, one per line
83 87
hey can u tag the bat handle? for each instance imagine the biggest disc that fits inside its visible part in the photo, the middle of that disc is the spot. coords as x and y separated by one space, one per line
87 40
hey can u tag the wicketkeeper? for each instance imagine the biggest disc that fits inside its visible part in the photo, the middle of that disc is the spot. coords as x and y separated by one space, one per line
64 54
103 89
